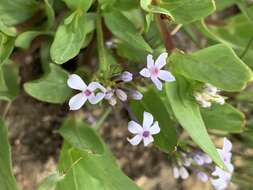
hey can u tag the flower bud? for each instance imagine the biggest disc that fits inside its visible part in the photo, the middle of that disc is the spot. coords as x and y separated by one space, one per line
136 95
176 172
121 95
202 176
183 173
112 101
126 76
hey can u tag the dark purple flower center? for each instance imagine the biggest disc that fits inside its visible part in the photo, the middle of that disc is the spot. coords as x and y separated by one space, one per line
154 71
87 92
146 134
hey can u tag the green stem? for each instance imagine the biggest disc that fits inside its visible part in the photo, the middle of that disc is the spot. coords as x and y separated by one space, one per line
247 48
101 49
244 9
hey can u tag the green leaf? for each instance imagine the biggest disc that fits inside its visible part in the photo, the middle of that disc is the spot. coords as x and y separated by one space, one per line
24 39
16 11
221 4
50 88
224 118
86 171
50 182
70 37
81 136
186 11
82 5
217 65
123 29
7 179
6 47
9 81
149 7
8 30
186 110
166 140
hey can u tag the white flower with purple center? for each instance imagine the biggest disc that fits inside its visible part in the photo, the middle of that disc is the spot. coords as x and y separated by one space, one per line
154 71
94 92
144 132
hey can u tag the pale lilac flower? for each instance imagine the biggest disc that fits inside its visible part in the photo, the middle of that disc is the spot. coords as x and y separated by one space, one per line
202 176
87 92
144 132
121 95
180 172
126 76
154 71
224 177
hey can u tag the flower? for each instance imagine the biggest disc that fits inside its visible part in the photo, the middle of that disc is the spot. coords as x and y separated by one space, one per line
180 173
87 92
126 76
144 132
224 177
154 71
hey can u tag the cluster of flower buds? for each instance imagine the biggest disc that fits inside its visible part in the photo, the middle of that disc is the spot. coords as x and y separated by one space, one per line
208 95
223 177
191 162
122 93
187 162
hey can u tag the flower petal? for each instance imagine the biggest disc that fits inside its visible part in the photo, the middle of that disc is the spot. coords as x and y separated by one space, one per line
77 101
166 76
75 82
147 120
94 99
161 60
150 61
154 129
145 72
95 85
135 140
157 83
134 127
227 145
148 140
219 184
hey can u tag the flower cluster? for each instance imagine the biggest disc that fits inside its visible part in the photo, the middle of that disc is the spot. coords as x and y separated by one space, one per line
223 177
199 163
95 92
188 162
207 95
